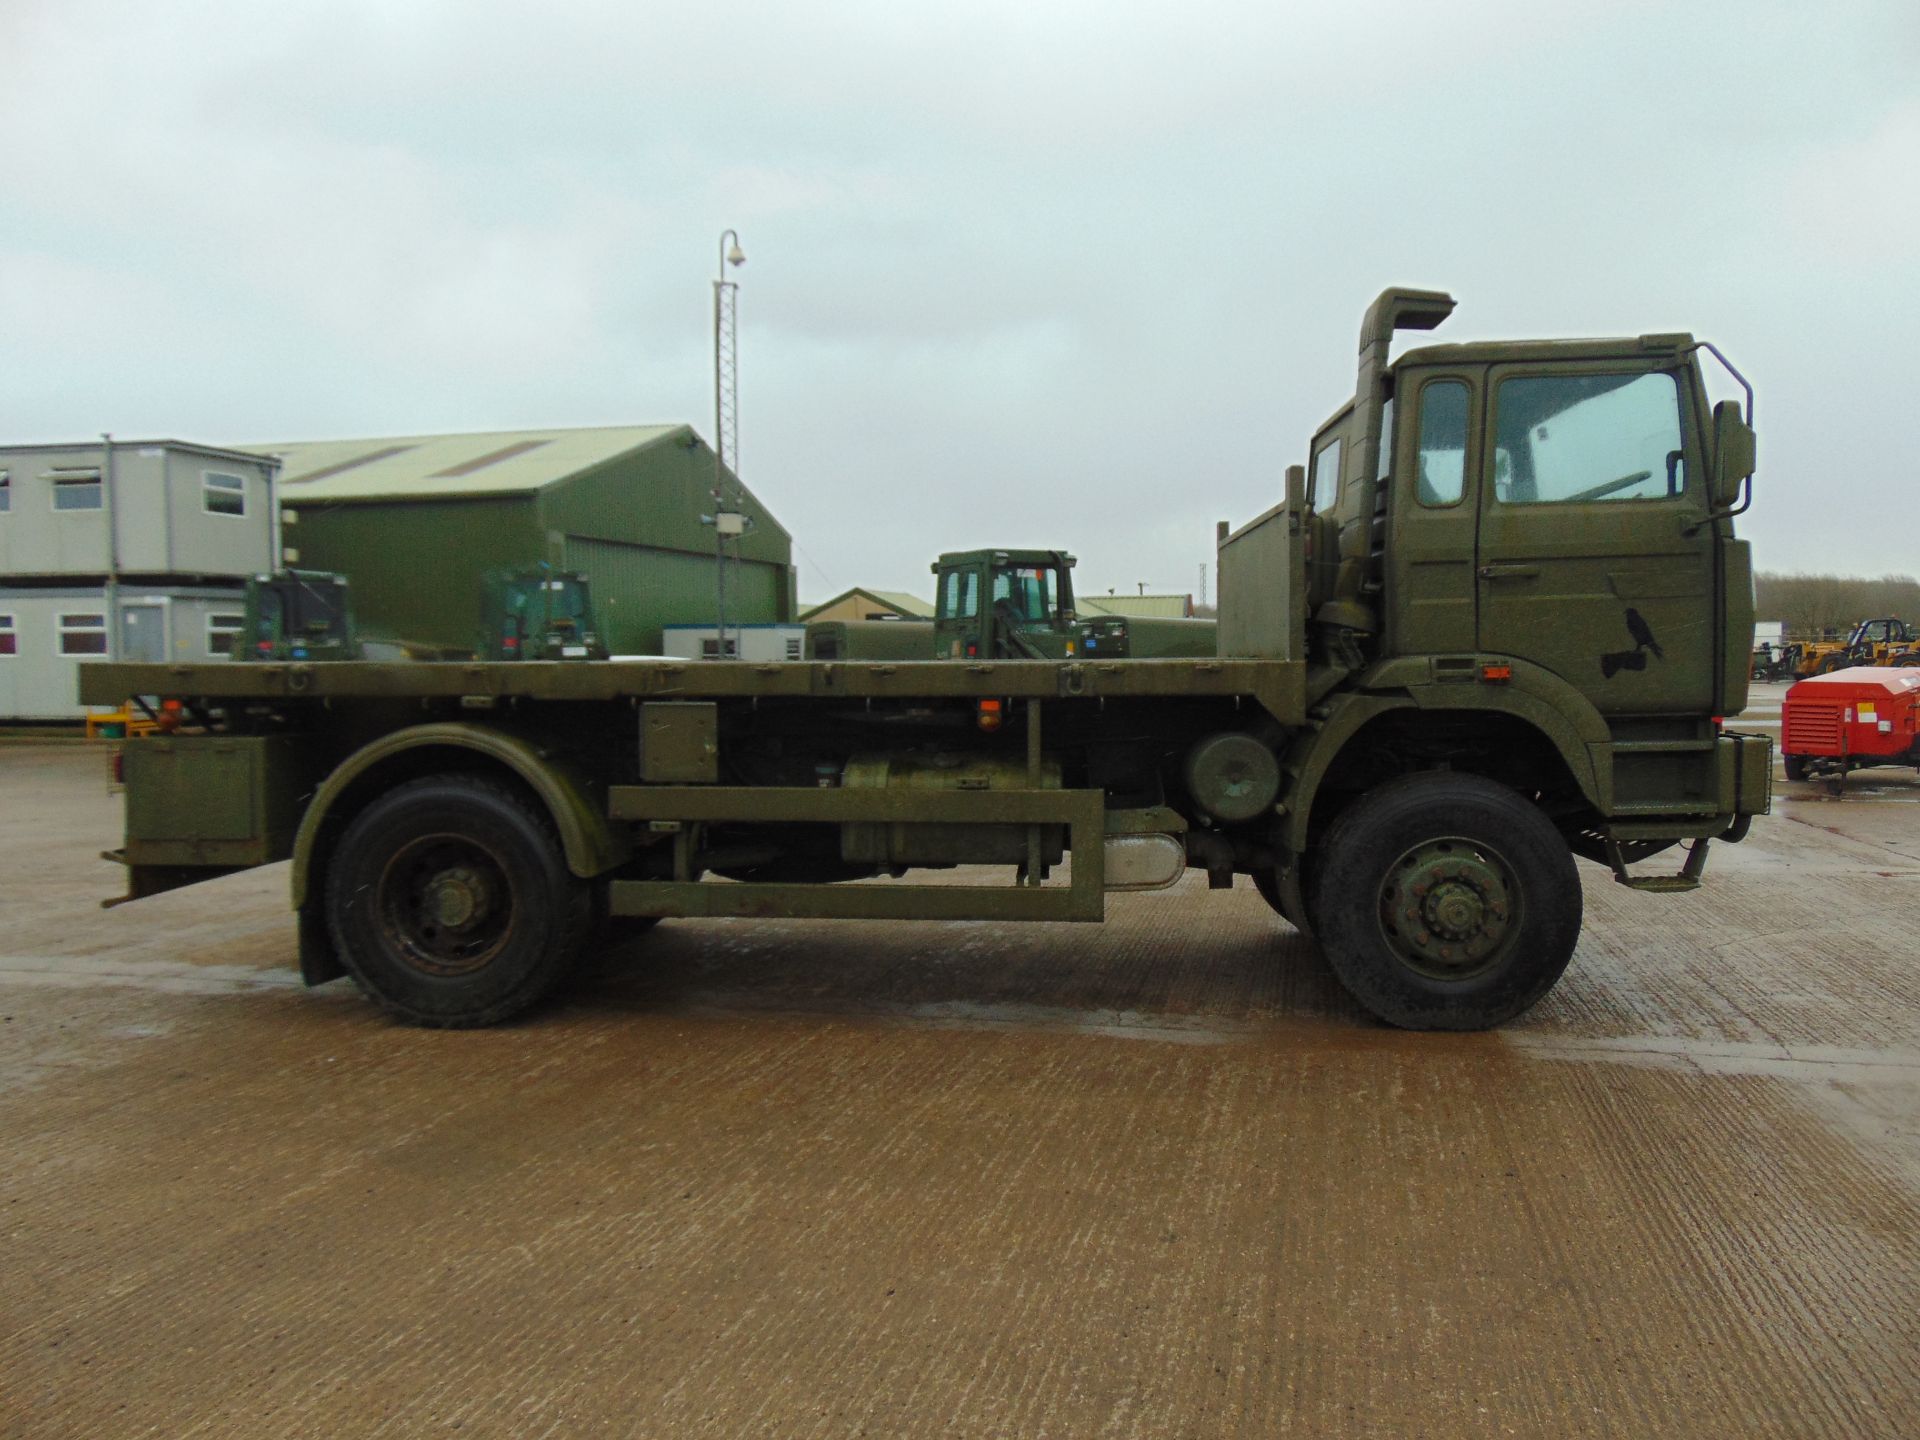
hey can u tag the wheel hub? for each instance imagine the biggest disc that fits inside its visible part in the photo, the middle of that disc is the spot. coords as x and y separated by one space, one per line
1447 907
446 904
457 899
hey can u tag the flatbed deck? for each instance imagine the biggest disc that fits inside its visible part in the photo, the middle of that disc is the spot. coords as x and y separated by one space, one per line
1278 685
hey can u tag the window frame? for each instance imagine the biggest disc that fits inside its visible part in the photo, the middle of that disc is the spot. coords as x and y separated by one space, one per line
1336 442
1419 435
960 584
233 632
1610 368
68 483
64 625
238 490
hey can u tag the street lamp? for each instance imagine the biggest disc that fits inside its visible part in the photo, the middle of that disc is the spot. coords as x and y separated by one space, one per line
726 420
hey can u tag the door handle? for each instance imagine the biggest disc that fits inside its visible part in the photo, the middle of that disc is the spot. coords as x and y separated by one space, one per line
1508 572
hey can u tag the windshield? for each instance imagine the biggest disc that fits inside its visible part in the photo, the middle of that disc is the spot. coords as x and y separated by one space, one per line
537 601
301 610
1029 592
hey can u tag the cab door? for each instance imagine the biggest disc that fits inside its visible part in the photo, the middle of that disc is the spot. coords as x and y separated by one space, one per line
1595 556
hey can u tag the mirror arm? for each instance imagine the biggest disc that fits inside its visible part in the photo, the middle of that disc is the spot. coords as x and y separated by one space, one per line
1745 501
1727 365
1740 507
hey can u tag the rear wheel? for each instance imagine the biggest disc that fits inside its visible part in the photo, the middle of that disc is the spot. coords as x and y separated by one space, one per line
451 904
1796 766
1446 902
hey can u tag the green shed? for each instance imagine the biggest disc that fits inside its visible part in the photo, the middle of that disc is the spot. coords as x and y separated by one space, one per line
414 521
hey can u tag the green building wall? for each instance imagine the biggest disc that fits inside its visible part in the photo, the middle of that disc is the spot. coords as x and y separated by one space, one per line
632 525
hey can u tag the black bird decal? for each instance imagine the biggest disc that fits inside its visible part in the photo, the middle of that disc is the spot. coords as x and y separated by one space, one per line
1614 661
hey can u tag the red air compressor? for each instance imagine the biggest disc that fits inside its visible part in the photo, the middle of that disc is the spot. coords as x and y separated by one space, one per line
1851 719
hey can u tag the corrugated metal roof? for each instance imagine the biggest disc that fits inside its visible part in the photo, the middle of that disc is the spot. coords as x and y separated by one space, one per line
911 606
906 604
1162 607
406 467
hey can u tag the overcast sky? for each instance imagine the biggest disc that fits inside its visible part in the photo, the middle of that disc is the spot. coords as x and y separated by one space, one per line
1062 274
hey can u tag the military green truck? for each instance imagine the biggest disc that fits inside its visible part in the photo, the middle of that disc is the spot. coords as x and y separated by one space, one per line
1499 630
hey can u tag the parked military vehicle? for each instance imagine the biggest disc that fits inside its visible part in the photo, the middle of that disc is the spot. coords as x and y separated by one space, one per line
533 614
1497 632
537 614
1018 604
298 615
1027 613
1147 637
869 640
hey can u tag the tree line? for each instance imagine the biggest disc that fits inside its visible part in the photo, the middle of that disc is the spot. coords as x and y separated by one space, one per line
1813 604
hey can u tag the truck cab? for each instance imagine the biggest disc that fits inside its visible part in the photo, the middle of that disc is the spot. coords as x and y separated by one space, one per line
1492 531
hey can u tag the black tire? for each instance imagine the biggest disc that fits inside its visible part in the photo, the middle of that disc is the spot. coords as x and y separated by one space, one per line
1494 898
1796 766
1832 663
451 904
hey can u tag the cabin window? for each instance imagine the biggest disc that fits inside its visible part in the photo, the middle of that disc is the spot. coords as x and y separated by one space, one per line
1385 467
222 494
1574 439
9 639
6 492
221 630
83 634
710 649
960 594
1441 476
1326 475
76 490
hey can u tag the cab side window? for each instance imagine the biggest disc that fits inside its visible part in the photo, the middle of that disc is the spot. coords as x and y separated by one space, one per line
1587 438
960 595
1326 475
1441 476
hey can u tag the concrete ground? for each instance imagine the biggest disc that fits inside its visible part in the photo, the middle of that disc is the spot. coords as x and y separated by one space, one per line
1156 1178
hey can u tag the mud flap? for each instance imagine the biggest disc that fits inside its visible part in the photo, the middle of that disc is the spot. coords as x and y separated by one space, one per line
318 961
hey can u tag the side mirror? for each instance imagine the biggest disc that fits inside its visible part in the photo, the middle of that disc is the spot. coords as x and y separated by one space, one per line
1733 452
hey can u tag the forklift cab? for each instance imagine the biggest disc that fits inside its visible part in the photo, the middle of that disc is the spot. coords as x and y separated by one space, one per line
1004 604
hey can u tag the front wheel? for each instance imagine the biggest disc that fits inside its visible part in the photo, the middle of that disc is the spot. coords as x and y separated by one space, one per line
1446 902
1796 766
451 904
